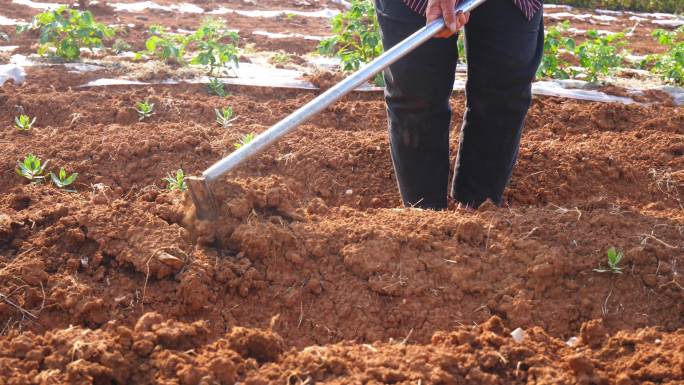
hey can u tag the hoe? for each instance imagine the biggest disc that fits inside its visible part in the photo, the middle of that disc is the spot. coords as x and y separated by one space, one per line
199 187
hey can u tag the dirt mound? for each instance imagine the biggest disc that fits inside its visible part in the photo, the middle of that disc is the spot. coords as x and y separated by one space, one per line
325 79
311 232
158 350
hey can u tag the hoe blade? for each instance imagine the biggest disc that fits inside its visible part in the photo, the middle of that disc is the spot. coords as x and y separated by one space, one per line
205 204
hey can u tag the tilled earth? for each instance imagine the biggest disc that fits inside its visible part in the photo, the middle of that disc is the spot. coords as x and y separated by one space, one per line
313 273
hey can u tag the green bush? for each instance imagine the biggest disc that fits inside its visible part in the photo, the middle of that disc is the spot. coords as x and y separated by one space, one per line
670 64
555 45
67 31
206 45
356 37
670 6
599 55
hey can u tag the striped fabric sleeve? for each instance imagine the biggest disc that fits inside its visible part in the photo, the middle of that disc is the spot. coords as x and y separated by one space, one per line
528 7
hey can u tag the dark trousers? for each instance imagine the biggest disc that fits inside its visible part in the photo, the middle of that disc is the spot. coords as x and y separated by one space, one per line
503 49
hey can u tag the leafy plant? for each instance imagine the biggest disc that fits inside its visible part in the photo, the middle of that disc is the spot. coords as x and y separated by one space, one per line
210 51
216 87
166 46
63 180
669 6
357 37
460 45
614 258
121 46
24 122
280 58
246 139
207 45
32 169
555 45
670 64
145 110
67 31
600 54
176 182
224 116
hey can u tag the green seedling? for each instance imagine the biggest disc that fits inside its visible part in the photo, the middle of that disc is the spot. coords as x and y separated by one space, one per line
121 46
356 37
224 116
176 182
246 139
211 52
599 55
24 122
65 31
144 109
280 58
668 65
164 45
216 87
32 169
555 46
460 45
614 258
62 179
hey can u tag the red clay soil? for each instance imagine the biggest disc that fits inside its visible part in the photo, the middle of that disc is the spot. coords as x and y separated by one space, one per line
313 273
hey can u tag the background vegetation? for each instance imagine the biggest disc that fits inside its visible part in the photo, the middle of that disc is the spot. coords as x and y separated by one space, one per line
670 6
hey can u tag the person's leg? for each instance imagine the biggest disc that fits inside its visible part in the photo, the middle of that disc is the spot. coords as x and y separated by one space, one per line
504 50
417 93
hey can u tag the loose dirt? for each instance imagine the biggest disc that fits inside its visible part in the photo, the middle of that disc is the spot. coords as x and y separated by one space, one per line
313 273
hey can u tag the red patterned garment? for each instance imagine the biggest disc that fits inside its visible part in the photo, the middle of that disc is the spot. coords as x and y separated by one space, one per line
528 7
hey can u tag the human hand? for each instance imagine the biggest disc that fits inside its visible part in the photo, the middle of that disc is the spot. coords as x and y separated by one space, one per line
445 8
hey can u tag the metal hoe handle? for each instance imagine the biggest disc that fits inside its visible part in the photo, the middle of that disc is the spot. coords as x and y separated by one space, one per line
322 101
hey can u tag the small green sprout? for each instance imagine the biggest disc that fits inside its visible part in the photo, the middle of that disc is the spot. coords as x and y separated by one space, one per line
176 182
614 258
281 58
145 110
32 169
224 116
246 139
24 122
217 88
62 179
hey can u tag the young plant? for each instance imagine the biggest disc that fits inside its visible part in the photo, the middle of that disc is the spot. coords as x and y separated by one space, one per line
555 45
460 45
24 122
211 51
280 58
600 54
216 87
121 46
614 258
357 36
246 139
176 182
67 31
145 110
32 169
670 64
62 179
224 116
166 46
